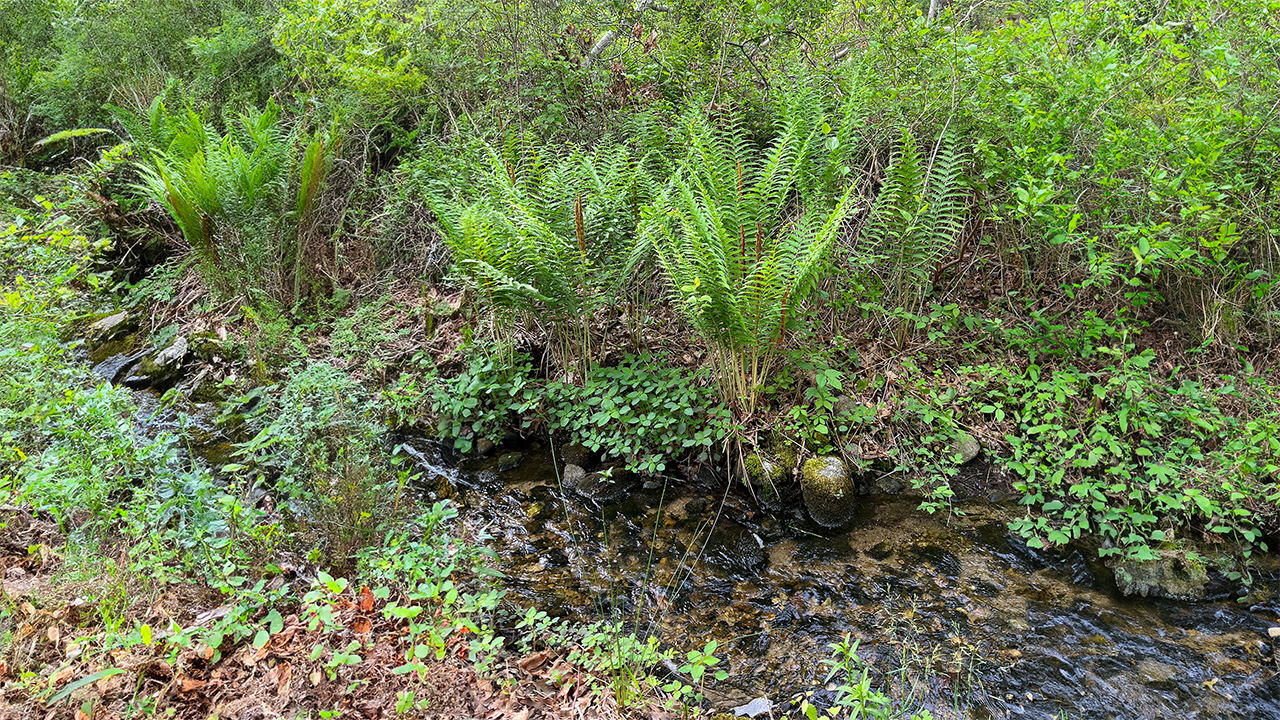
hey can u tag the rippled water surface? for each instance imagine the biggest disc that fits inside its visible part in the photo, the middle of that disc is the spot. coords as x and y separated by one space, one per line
976 623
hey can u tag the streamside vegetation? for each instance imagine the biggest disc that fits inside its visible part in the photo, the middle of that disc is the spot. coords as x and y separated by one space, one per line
1003 251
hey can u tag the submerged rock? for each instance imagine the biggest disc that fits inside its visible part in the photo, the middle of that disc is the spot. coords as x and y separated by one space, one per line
1173 575
828 491
510 461
735 548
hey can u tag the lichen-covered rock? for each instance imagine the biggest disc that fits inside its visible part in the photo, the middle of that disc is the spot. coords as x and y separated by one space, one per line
844 405
110 327
964 447
572 476
828 491
1173 575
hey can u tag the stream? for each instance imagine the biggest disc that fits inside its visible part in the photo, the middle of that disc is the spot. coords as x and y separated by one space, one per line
955 614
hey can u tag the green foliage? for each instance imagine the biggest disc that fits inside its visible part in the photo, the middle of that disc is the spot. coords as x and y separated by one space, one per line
241 200
742 236
545 231
917 218
322 448
642 412
489 395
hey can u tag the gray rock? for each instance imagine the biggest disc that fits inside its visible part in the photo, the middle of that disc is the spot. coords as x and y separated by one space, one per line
510 461
109 327
966 447
484 446
828 491
161 370
844 405
890 484
1173 575
116 365
572 477
759 706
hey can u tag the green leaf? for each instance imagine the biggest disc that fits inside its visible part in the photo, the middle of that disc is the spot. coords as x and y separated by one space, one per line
91 678
261 638
67 135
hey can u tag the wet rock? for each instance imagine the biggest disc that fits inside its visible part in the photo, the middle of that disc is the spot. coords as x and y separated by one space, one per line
889 484
735 548
1173 575
607 486
964 448
484 446
161 370
116 365
110 327
764 472
579 454
510 461
828 491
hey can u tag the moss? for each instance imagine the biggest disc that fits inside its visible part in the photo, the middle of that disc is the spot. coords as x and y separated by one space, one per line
763 471
828 491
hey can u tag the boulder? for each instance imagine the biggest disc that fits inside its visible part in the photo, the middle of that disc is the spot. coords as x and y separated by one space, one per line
965 447
828 491
763 471
609 485
484 446
1173 575
844 405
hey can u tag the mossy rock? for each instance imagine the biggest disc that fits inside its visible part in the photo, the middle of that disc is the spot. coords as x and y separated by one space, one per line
579 454
763 471
964 447
828 491
1174 575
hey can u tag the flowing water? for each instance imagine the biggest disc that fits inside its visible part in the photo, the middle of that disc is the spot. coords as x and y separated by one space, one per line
964 617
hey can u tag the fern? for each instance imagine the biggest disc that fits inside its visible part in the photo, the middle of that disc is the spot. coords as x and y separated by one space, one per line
230 195
739 245
545 232
914 224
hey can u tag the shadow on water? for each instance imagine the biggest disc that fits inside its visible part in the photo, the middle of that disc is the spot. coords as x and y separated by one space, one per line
954 613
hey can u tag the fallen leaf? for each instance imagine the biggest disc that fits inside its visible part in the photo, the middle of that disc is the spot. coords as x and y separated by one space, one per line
282 674
186 684
82 715
531 663
366 600
54 634
61 675
361 626
314 678
4 668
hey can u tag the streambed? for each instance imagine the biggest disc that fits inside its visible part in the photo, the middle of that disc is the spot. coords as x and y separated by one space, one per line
968 620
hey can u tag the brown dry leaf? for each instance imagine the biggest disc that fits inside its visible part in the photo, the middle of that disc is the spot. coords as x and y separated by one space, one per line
282 674
531 663
61 675
4 668
204 651
361 626
186 684
82 715
54 634
366 600
107 684
523 714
